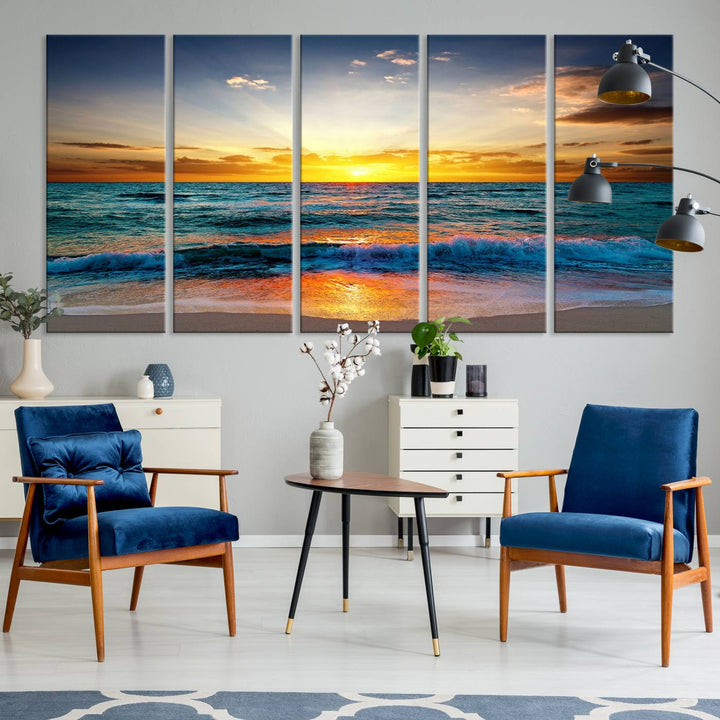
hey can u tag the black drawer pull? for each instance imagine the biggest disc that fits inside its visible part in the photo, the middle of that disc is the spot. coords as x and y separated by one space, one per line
460 411
458 456
458 498
458 476
459 433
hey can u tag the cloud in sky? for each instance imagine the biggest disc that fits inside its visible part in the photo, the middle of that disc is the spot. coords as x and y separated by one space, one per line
403 61
646 141
386 54
598 114
109 146
641 151
445 56
240 81
358 63
401 79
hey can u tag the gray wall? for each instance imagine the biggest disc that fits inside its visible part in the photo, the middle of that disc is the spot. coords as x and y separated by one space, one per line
268 389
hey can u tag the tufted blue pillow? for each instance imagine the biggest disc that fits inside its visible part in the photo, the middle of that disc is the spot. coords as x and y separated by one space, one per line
114 457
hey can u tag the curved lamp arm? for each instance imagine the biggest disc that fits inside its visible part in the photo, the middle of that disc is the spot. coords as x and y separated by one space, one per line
677 75
654 165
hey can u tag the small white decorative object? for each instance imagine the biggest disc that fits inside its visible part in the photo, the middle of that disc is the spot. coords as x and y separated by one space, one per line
326 452
145 388
32 383
326 443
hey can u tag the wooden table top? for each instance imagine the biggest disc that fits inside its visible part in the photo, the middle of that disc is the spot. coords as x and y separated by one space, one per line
363 483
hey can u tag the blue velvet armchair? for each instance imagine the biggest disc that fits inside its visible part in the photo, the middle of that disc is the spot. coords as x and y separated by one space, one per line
631 503
88 509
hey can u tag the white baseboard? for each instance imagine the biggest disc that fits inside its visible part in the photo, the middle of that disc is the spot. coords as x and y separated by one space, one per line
332 541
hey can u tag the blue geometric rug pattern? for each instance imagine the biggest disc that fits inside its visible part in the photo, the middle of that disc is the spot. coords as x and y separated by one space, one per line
190 705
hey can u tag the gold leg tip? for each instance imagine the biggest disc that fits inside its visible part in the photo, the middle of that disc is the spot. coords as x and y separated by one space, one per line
346 605
436 647
410 555
401 542
288 627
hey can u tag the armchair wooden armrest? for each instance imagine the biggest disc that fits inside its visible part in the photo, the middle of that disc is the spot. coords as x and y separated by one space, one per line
695 482
188 471
57 481
509 476
220 474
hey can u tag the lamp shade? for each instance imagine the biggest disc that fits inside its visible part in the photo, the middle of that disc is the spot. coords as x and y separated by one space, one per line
590 187
682 232
625 83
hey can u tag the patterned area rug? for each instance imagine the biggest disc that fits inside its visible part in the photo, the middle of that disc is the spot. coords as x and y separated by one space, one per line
188 705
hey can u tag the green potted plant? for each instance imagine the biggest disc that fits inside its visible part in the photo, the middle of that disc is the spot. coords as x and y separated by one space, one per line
435 339
26 311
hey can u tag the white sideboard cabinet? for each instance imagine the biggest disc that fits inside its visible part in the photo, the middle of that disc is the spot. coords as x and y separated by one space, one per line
176 432
458 444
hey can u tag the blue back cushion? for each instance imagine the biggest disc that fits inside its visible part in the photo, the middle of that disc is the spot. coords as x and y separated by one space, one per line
114 457
622 455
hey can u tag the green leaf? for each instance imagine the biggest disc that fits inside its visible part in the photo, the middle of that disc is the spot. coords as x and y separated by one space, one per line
458 355
423 335
453 336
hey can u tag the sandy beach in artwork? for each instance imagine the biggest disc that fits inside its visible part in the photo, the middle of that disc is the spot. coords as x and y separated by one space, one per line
648 318
127 322
227 322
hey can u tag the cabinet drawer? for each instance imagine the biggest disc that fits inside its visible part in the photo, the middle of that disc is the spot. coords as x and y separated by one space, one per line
459 413
451 438
173 414
459 482
457 460
455 505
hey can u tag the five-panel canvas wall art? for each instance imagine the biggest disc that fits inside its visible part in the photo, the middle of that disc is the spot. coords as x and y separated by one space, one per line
475 183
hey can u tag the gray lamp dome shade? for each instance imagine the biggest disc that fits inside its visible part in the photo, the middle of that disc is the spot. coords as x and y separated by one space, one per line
590 188
681 232
625 83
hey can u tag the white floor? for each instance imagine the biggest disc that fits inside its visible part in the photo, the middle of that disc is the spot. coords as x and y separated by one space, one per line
607 644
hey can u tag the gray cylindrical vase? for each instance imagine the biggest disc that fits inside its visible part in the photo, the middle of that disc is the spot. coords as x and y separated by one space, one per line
326 452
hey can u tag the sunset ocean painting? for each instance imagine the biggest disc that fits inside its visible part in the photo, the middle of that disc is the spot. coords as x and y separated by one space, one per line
233 173
359 225
609 274
105 182
486 181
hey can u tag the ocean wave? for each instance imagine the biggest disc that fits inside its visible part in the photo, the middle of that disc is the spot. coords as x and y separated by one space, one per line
617 253
476 255
107 262
363 258
233 260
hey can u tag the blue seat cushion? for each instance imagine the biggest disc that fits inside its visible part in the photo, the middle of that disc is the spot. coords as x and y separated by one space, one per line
114 457
138 530
592 534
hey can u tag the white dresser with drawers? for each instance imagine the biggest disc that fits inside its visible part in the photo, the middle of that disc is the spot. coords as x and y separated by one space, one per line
458 444
180 432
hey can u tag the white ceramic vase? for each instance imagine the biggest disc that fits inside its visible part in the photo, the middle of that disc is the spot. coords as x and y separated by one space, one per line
32 383
145 388
326 452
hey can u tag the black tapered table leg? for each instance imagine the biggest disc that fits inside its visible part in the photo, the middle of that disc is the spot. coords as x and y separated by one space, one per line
410 552
346 549
400 532
309 530
487 532
425 553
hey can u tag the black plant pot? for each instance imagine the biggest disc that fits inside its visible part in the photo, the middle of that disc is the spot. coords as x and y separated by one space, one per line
442 375
420 379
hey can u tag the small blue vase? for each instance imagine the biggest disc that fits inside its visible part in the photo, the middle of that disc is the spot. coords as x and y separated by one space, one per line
162 379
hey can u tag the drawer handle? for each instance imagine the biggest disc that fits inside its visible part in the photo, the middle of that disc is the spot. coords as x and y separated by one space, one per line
459 411
158 411
458 498
458 455
459 433
458 476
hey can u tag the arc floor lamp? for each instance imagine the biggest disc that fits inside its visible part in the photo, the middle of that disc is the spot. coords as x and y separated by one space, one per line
627 83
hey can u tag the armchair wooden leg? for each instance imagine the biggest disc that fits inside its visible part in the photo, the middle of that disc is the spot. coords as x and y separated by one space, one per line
704 559
137 581
18 560
229 578
504 591
667 580
96 588
560 580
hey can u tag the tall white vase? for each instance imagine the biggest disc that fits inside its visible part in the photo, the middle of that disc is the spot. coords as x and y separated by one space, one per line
326 452
32 383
